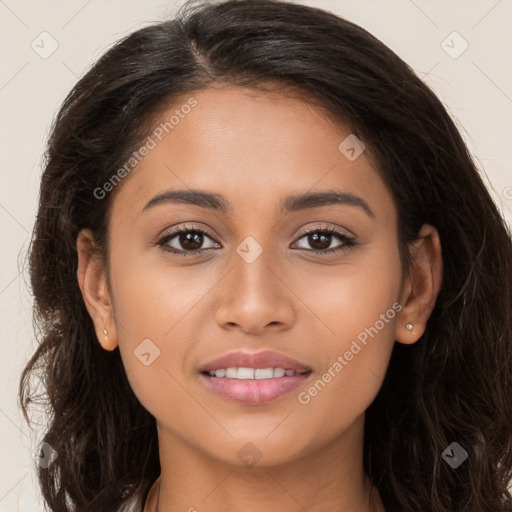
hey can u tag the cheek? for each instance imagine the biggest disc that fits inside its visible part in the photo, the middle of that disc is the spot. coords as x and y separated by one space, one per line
160 312
356 307
154 296
347 384
348 297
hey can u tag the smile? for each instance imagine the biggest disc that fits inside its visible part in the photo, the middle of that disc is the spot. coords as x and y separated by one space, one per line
251 373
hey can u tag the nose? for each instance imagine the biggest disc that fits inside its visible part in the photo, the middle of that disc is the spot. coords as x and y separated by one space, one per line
254 297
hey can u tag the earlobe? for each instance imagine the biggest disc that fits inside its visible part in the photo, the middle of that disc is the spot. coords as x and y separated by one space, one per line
422 286
91 278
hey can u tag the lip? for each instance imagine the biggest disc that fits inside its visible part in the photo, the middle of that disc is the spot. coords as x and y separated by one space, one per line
257 391
265 359
253 392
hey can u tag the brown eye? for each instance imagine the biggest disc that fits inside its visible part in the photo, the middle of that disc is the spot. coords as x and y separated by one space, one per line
192 240
320 240
186 241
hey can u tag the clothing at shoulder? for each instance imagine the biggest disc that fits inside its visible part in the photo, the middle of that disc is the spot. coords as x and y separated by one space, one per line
151 501
130 504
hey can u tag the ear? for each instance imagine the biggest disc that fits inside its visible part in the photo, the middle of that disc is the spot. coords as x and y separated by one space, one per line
421 286
91 276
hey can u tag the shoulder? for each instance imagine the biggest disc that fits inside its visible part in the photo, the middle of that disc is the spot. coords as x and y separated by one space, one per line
131 504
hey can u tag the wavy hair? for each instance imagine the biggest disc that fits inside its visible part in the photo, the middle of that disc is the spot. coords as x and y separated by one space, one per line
454 384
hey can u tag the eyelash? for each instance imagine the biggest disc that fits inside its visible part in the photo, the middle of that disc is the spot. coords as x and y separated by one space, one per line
348 242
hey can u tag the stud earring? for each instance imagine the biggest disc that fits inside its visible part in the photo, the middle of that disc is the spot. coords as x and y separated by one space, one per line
408 327
105 332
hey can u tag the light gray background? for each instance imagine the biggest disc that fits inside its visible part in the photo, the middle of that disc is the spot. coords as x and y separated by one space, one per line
476 87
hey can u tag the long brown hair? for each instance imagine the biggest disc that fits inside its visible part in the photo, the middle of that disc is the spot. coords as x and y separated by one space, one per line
454 384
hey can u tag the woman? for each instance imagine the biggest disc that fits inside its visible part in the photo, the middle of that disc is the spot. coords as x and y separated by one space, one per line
268 276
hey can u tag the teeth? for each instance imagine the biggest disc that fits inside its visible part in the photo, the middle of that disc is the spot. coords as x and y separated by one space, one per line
262 373
232 373
279 372
247 373
251 373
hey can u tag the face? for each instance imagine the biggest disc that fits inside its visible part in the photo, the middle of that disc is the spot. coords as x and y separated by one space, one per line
259 272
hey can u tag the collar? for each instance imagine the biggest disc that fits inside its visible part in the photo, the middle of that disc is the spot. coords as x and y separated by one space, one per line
152 496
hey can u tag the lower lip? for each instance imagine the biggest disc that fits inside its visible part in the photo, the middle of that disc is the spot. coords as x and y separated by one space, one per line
254 391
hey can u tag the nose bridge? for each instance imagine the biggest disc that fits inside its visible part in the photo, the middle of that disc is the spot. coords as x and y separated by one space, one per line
256 247
254 296
252 266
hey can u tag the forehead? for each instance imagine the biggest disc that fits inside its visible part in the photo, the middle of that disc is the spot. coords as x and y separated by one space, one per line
251 147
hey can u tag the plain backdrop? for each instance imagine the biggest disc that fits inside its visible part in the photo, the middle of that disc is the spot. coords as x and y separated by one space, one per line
46 46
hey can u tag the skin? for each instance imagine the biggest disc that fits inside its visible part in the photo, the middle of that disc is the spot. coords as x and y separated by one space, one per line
255 149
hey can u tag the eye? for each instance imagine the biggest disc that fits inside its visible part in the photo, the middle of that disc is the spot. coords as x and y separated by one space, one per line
321 238
190 238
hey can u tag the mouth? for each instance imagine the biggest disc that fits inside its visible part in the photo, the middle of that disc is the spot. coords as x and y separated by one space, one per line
254 379
242 373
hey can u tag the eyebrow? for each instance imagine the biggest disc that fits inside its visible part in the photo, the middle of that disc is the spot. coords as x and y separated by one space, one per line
291 203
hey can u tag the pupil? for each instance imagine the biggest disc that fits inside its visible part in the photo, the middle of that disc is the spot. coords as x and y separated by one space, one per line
190 238
314 240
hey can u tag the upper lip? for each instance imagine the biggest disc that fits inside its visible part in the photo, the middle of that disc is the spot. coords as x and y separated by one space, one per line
266 359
